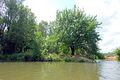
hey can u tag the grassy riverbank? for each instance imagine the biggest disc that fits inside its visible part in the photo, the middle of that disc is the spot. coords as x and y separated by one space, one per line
44 58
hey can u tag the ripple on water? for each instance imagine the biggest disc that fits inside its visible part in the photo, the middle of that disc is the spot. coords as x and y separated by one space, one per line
109 70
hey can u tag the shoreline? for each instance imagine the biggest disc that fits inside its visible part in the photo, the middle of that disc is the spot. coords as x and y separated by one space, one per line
63 60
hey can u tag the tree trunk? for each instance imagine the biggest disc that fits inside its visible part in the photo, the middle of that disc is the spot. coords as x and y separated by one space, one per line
73 50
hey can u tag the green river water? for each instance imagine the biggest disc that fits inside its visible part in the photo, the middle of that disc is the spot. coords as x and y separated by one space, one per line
104 70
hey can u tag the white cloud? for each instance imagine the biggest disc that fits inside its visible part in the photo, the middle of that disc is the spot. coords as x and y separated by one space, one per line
107 11
43 9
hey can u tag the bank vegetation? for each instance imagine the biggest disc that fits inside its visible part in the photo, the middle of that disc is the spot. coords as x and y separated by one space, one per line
72 36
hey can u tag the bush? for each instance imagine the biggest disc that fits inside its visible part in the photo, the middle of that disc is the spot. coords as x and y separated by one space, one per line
20 57
44 54
26 56
117 52
53 57
49 56
99 56
1 48
2 57
64 49
76 59
12 57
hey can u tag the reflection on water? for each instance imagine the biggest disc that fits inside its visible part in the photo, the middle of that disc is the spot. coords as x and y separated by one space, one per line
109 70
48 71
105 70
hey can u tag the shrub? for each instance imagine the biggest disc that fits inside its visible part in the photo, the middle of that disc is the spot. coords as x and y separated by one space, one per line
54 57
27 56
1 48
2 57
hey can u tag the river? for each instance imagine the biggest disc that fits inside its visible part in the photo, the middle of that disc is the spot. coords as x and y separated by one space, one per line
104 70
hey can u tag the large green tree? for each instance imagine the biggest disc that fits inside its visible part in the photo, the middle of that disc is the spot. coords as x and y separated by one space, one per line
77 30
19 26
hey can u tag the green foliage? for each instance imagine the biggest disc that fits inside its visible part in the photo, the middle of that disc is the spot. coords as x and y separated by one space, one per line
52 57
51 44
0 48
19 27
45 56
22 39
26 56
117 52
79 51
77 30
2 57
43 28
64 49
76 59
99 56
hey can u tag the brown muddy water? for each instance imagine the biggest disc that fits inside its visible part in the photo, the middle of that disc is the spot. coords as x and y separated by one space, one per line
104 70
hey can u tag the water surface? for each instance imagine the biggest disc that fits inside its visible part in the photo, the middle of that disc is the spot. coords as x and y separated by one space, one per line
109 70
59 71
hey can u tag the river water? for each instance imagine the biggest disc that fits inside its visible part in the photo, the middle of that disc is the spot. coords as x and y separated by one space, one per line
104 70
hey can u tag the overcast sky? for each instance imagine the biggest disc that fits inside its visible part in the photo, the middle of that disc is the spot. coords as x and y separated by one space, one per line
107 11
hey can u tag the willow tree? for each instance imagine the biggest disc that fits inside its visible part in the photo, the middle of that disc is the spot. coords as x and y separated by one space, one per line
77 30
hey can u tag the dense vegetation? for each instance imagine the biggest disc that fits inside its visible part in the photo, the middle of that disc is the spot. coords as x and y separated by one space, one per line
73 32
117 52
114 54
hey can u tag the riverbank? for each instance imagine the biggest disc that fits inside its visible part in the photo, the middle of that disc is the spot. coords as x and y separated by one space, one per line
111 58
44 58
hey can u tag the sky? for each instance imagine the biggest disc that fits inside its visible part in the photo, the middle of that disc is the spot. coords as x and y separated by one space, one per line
107 11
